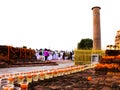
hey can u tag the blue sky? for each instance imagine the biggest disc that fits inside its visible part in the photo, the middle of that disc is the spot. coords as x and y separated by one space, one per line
56 24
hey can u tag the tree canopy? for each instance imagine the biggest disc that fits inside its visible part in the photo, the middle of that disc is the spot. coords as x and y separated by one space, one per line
86 43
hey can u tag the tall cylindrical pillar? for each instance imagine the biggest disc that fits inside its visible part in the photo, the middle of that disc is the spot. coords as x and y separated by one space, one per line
96 28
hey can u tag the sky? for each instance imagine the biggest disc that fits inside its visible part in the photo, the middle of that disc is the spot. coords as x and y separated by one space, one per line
56 24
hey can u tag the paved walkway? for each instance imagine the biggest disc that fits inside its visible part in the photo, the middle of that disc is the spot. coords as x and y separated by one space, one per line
61 64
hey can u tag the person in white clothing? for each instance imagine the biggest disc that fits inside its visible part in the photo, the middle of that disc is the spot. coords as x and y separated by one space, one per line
37 54
50 56
61 55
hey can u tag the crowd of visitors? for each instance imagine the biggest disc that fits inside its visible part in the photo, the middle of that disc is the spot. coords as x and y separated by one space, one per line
47 54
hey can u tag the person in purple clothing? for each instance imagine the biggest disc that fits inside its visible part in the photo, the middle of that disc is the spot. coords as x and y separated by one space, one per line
46 54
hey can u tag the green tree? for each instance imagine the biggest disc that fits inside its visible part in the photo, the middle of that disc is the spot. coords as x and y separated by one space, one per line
85 44
24 46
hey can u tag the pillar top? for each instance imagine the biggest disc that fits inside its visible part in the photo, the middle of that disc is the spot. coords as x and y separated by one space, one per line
96 7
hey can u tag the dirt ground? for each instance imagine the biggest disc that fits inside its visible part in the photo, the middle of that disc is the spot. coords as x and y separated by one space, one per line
27 64
79 81
37 63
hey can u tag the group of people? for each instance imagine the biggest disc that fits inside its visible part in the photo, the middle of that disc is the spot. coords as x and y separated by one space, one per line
47 54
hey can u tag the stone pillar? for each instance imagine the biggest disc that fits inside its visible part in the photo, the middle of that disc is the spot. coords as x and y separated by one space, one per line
96 28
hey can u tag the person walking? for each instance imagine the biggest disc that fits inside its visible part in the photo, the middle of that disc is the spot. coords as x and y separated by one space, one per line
63 55
46 54
71 55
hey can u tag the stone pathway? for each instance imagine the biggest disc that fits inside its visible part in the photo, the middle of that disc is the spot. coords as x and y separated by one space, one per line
61 64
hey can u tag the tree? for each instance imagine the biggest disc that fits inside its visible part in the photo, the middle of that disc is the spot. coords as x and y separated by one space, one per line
24 46
85 44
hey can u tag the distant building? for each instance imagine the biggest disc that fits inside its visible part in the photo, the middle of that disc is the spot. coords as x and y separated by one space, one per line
117 42
117 38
